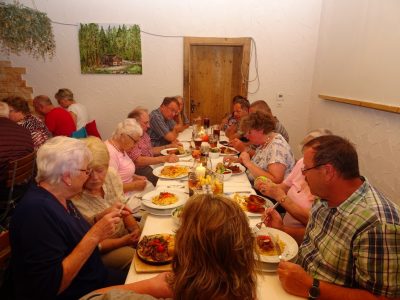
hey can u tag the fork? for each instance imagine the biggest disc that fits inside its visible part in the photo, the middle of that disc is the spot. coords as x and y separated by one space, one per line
259 225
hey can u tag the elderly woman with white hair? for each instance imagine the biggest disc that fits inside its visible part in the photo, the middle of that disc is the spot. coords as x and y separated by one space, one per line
54 250
293 193
102 191
123 139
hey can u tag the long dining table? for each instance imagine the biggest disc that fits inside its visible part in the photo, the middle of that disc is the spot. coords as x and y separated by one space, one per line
268 285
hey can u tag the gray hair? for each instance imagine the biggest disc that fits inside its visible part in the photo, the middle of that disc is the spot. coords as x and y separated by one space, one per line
314 134
137 113
128 126
60 155
4 109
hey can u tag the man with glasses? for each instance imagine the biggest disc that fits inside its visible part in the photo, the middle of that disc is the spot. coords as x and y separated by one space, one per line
352 240
163 129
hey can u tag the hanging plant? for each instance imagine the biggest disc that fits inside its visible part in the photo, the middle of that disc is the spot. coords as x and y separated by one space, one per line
25 29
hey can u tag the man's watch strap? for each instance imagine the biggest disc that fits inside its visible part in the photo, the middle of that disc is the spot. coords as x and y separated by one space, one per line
314 292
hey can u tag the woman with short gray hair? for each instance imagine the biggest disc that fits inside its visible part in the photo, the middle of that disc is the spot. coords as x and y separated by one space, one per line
54 249
123 139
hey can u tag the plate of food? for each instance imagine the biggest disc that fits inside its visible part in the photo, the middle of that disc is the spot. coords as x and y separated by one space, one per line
156 249
266 249
252 205
227 151
180 152
171 172
164 199
236 169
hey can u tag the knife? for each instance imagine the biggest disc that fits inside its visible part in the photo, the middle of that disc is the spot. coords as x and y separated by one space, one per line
276 246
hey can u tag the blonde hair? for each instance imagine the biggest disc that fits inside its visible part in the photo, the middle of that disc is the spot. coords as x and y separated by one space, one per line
4 109
100 155
314 134
128 126
64 94
214 251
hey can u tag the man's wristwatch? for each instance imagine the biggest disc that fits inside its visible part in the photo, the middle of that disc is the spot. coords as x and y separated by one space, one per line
313 293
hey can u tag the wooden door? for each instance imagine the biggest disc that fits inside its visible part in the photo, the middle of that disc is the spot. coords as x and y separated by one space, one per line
215 70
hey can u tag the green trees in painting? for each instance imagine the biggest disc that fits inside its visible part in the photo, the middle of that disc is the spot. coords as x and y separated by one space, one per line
114 50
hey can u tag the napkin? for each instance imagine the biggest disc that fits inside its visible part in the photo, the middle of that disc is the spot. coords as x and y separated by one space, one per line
135 202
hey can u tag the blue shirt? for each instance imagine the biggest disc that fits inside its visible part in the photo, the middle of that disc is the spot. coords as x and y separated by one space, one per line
159 127
42 234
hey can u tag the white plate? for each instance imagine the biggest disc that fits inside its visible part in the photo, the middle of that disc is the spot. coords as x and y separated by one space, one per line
165 152
250 214
230 148
241 167
157 172
182 197
290 250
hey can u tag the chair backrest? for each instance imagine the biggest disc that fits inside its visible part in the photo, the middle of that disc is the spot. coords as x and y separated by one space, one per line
21 170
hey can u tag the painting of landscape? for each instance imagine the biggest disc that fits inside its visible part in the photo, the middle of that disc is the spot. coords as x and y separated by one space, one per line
110 49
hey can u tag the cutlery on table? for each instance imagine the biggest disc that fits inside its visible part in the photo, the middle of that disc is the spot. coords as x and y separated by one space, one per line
259 225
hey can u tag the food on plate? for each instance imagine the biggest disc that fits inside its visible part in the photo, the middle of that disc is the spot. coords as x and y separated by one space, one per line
226 150
265 245
174 171
176 151
165 198
255 204
223 169
214 150
252 203
158 248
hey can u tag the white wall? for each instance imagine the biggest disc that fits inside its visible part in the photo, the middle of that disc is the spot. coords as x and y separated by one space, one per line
358 57
285 32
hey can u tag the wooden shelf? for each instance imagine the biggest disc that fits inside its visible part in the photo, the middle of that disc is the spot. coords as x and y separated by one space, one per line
384 107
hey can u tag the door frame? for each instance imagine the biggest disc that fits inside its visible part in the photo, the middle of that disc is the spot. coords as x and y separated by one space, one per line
188 42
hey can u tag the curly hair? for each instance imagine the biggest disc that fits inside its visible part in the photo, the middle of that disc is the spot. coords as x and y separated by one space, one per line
214 256
64 94
258 120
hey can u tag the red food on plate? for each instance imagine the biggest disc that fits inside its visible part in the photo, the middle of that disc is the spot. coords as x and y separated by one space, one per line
265 243
255 204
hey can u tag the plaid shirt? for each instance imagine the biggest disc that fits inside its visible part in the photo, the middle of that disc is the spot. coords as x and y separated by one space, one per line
142 148
356 244
159 127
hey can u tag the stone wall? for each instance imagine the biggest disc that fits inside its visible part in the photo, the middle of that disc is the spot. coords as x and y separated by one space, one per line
12 84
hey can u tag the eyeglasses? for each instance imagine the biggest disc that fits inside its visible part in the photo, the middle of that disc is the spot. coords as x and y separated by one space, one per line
135 141
87 171
175 112
304 170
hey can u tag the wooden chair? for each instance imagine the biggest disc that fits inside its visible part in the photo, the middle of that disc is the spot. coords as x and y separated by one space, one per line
20 172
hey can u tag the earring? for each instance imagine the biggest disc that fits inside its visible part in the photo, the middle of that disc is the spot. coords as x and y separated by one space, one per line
69 184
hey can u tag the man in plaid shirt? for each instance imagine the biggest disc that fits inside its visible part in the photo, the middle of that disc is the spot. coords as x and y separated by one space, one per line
351 246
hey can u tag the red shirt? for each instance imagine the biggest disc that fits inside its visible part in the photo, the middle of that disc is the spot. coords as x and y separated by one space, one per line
60 122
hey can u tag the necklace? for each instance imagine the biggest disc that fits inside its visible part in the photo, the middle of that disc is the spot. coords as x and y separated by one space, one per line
268 139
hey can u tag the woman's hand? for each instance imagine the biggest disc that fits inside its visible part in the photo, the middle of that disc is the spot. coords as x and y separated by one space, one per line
105 227
272 218
244 158
270 189
139 184
131 239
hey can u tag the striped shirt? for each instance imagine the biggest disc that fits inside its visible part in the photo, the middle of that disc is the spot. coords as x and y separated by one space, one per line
37 128
142 148
356 244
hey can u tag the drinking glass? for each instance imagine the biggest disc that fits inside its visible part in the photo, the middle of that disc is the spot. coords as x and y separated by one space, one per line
193 183
217 185
206 122
217 130
213 140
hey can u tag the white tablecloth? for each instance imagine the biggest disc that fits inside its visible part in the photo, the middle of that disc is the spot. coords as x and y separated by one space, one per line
268 285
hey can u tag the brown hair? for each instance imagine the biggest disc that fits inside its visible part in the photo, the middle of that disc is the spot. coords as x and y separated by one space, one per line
337 151
258 120
168 100
18 103
214 251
